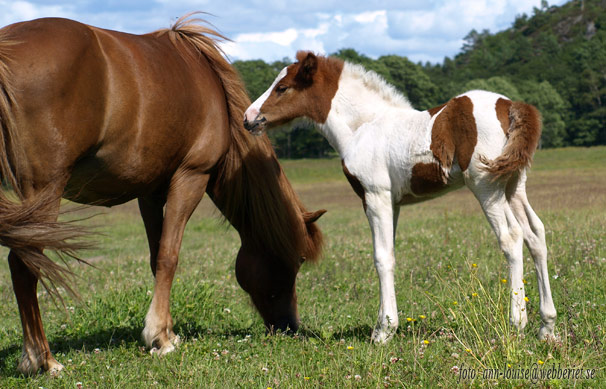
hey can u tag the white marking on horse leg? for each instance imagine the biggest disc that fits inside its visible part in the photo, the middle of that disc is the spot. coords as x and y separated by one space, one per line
153 332
379 210
30 361
509 234
153 325
534 237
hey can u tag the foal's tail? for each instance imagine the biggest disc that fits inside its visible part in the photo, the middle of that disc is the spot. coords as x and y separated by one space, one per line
23 228
523 138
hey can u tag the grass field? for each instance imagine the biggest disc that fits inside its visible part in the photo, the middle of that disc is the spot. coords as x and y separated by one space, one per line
453 315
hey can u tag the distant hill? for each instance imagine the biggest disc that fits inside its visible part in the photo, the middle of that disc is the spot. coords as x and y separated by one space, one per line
554 59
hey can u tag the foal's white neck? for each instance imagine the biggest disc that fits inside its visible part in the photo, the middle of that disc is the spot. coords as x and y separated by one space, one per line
361 96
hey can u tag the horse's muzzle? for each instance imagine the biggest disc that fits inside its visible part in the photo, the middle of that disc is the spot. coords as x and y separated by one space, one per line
256 126
288 325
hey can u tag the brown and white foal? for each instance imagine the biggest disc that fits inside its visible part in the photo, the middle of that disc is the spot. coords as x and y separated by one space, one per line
394 155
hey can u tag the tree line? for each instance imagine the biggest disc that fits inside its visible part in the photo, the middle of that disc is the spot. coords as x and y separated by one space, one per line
554 59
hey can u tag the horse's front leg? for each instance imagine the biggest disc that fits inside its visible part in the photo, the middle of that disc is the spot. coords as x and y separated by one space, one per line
186 191
380 213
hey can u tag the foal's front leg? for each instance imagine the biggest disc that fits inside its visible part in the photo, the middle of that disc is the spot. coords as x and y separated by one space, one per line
380 213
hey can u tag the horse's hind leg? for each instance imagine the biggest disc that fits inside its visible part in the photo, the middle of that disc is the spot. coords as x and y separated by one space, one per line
534 237
36 351
509 234
186 191
152 213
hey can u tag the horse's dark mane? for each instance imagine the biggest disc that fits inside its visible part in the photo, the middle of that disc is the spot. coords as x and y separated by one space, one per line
250 187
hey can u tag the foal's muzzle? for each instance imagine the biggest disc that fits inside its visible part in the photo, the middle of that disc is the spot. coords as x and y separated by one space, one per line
255 126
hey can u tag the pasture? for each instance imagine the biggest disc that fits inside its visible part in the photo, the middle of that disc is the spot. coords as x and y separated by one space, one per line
450 281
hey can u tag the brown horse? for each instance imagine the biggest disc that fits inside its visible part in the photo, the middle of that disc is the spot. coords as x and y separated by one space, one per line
102 117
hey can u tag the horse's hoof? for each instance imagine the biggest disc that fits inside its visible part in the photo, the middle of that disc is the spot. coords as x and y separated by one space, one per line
56 369
167 348
174 339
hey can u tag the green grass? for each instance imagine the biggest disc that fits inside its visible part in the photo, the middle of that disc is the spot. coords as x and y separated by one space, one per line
98 338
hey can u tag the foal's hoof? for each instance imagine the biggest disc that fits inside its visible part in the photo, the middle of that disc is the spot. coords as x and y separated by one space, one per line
382 336
546 333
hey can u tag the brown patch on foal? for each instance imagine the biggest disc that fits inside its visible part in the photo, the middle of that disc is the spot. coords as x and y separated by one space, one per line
355 184
454 133
307 90
427 178
502 107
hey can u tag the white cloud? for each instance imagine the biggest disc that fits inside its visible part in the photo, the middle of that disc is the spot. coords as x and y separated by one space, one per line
14 11
423 30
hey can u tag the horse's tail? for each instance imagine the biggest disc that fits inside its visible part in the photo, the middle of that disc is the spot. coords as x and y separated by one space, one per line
250 188
22 226
523 138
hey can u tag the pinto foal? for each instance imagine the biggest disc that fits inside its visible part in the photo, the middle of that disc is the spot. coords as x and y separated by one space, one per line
394 155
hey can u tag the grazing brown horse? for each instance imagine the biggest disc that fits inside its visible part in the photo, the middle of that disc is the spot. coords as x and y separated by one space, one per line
102 117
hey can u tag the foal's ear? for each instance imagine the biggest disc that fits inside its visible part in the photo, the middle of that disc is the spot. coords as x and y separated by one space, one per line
311 217
308 65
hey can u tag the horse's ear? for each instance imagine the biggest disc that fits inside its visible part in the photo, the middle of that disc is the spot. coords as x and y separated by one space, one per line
311 217
308 65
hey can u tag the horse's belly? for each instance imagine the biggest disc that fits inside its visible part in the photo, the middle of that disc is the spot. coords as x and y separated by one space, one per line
93 182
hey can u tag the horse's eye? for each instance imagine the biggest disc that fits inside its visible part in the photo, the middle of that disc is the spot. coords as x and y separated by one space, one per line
281 88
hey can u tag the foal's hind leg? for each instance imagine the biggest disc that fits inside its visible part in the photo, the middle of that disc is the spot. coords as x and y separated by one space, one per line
534 237
186 191
509 234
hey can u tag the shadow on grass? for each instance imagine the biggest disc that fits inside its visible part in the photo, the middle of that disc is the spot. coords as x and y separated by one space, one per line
103 340
108 339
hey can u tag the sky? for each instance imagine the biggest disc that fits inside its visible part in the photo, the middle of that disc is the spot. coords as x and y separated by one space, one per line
422 30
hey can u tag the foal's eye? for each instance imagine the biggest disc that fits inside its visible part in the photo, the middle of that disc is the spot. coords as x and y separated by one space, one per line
281 88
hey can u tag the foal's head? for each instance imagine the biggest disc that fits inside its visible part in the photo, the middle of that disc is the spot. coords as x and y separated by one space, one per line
303 89
270 281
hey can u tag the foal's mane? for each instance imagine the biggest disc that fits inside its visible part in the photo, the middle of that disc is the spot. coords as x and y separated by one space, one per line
250 187
376 83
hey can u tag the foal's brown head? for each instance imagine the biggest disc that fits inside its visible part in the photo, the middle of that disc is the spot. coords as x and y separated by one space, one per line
303 89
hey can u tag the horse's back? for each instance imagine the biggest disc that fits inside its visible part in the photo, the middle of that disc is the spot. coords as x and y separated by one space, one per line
116 112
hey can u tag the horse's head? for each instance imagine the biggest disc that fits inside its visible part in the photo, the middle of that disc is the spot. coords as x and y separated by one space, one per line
303 89
270 281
